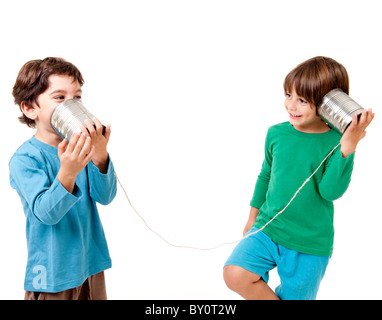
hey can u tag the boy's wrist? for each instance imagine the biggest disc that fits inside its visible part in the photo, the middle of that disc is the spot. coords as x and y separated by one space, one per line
67 180
101 162
347 150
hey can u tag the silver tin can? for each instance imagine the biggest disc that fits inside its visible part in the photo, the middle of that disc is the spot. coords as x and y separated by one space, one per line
338 109
68 116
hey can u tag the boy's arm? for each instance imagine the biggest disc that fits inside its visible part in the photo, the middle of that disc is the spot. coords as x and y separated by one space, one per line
264 177
50 200
337 175
47 200
102 186
261 187
102 180
339 167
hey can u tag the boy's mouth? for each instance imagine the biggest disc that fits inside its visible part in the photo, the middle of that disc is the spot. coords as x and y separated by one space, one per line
295 116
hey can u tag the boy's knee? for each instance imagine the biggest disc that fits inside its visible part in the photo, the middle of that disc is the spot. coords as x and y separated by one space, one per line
236 277
230 276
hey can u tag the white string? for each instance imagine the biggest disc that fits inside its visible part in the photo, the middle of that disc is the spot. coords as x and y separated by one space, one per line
233 242
294 196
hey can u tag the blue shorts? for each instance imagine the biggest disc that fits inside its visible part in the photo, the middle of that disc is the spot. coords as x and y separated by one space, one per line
300 273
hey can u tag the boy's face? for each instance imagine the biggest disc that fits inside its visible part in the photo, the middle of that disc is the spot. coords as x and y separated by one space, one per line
302 114
61 87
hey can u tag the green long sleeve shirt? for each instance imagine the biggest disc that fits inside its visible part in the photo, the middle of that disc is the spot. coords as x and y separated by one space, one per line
291 156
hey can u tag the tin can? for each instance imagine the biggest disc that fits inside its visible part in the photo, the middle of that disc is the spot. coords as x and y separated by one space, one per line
338 109
68 116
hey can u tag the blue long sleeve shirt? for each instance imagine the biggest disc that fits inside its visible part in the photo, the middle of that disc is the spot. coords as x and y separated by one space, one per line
65 238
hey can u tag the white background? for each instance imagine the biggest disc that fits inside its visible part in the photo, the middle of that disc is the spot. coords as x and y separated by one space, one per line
190 88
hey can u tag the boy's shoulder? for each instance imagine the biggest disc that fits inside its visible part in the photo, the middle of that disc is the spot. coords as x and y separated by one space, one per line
27 149
278 128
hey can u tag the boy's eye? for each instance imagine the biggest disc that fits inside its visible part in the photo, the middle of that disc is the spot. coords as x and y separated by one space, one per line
78 97
288 95
59 98
303 101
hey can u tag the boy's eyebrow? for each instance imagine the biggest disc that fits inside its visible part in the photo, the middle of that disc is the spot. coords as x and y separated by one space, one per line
63 91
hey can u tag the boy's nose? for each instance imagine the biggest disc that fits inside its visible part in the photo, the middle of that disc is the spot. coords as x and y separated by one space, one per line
292 105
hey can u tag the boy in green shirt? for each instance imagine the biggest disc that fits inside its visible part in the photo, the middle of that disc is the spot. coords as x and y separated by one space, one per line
300 240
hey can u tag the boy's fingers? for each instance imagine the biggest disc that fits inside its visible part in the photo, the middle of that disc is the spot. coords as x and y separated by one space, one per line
80 143
89 156
107 132
86 147
61 147
355 119
83 129
90 127
370 115
363 118
73 141
99 126
353 123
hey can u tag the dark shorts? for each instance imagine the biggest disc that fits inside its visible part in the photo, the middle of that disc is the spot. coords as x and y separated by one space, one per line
94 288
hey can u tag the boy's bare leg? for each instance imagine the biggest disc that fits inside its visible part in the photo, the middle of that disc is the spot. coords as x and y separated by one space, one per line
247 284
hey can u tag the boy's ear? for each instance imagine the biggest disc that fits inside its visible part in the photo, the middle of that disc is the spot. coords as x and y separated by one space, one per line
29 111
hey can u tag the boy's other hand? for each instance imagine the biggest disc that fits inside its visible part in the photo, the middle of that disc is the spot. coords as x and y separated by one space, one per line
99 141
253 213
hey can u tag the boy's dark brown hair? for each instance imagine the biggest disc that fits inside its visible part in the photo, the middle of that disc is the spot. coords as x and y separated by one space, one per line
315 77
33 79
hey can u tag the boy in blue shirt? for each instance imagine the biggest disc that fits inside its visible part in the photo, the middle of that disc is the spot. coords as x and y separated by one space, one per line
59 184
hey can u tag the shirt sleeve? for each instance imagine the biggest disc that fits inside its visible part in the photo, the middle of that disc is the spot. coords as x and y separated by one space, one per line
103 187
261 187
47 200
337 175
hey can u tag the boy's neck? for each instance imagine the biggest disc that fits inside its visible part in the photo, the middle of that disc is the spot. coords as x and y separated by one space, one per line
321 127
48 138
